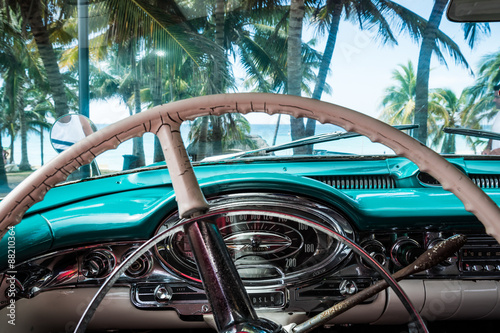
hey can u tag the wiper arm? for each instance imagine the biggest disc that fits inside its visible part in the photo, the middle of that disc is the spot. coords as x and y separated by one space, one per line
473 132
320 138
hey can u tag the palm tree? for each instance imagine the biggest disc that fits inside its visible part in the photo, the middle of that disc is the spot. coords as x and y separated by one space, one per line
431 38
480 102
449 110
235 131
4 185
264 57
233 32
479 95
445 108
16 79
399 100
153 24
39 18
40 108
368 14
7 56
398 104
294 67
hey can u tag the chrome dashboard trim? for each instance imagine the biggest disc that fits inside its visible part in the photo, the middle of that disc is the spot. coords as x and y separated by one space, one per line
282 204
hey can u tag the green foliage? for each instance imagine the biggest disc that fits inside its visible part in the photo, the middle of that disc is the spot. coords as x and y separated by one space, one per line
399 100
177 56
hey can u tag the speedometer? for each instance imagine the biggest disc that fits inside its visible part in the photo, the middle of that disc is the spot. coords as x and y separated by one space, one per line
271 239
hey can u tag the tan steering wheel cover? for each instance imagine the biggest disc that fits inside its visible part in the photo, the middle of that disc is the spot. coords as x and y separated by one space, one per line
170 116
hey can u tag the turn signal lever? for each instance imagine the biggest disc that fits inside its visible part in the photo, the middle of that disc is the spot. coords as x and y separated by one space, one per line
426 260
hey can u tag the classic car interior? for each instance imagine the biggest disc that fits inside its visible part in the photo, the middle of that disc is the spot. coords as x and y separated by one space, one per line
257 243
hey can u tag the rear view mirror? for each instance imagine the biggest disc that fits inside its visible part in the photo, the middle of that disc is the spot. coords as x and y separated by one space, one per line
474 10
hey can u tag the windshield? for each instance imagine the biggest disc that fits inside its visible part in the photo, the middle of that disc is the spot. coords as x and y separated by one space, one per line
400 61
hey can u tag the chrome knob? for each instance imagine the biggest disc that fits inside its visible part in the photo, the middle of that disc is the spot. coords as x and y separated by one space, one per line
477 268
489 268
163 294
348 287
98 264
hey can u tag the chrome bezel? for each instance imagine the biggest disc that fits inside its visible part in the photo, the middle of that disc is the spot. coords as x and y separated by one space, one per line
106 255
397 246
146 259
293 207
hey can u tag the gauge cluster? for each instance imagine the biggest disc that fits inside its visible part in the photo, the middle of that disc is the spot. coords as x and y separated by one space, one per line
273 240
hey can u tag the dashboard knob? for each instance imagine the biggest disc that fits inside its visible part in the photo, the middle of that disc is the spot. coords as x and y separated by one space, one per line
163 294
141 266
405 250
375 249
98 264
477 268
489 268
348 287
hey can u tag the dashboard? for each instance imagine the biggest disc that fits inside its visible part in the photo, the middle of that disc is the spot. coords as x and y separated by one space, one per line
290 265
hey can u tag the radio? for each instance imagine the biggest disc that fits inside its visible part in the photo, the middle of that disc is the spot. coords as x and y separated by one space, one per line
480 257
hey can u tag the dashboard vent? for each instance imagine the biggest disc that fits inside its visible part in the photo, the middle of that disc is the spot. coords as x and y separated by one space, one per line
358 182
483 181
486 181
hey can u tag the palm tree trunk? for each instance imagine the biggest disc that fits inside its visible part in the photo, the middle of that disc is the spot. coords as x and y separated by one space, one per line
4 185
217 134
326 61
41 145
218 82
276 129
202 141
24 165
12 139
423 69
219 40
31 11
449 144
157 92
138 143
294 66
294 62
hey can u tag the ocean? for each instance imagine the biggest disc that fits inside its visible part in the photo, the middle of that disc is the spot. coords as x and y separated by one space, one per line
113 160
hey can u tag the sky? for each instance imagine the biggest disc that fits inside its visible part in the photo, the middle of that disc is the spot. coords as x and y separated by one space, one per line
361 68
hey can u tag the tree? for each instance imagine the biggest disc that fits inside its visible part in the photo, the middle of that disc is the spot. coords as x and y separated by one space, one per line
294 66
431 38
41 108
479 99
232 29
449 110
37 16
235 131
369 14
399 100
479 96
15 75
145 25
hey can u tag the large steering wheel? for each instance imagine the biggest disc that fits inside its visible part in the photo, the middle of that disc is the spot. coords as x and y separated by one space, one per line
165 121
